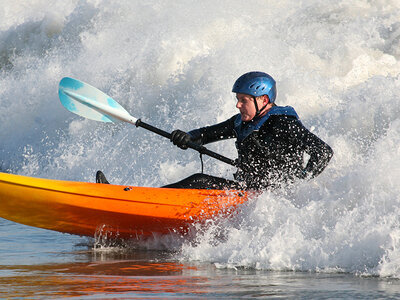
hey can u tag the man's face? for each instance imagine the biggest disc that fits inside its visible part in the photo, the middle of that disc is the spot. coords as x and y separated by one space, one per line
245 104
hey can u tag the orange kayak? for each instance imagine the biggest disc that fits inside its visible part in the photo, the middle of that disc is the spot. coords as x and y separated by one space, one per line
87 209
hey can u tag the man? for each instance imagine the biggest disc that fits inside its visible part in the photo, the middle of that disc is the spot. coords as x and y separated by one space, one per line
270 140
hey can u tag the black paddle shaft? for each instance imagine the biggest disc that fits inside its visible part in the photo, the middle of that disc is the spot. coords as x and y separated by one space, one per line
194 146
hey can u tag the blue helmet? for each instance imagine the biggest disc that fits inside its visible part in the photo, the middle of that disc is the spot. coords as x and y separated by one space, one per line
256 84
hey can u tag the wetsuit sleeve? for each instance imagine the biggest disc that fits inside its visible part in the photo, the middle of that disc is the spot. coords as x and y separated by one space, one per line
320 152
209 134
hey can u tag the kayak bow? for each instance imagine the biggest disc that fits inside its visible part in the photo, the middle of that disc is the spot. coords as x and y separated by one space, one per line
127 212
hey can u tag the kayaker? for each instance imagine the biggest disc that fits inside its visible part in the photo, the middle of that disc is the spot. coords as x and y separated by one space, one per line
271 141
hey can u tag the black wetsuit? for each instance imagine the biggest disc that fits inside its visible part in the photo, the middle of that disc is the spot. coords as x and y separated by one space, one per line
270 151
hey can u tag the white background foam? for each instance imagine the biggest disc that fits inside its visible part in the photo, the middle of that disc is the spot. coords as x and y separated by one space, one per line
173 64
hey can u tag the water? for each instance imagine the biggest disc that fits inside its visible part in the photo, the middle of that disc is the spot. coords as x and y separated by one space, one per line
37 264
173 65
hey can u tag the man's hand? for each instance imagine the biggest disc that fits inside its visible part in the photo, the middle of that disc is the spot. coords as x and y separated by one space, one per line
180 138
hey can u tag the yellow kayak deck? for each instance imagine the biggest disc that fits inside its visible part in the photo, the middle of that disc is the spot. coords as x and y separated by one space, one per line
125 211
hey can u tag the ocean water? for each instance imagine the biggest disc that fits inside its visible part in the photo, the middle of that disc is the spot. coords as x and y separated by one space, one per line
173 64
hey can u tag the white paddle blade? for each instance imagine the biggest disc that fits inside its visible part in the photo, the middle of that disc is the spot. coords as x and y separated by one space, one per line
89 102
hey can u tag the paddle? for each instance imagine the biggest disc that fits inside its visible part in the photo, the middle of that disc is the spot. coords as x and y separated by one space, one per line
89 102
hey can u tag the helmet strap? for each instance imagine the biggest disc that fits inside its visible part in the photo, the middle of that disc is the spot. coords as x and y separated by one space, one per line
258 111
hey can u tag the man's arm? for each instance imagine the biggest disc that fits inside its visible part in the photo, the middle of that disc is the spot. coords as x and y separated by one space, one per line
210 134
320 152
204 135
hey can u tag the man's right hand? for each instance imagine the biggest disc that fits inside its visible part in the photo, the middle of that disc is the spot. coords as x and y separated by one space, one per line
180 138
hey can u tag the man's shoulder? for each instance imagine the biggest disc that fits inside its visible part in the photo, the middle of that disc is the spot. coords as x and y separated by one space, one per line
275 120
279 124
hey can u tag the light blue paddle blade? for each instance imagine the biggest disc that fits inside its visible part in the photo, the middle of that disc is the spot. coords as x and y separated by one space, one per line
89 102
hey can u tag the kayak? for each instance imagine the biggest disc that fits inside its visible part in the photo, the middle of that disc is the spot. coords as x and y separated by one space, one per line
126 212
